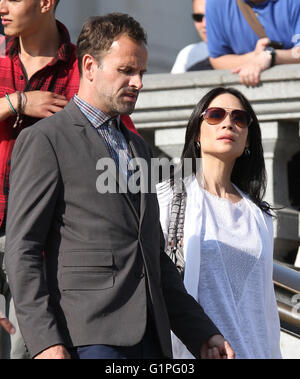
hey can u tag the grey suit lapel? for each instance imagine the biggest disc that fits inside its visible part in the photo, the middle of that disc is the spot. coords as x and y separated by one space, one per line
97 146
89 133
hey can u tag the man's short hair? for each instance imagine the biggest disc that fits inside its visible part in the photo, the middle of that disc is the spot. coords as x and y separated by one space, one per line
98 33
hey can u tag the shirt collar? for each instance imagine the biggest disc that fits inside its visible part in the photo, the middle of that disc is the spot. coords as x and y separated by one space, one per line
95 115
63 53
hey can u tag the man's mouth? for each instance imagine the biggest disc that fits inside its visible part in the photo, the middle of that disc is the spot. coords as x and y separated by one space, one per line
131 96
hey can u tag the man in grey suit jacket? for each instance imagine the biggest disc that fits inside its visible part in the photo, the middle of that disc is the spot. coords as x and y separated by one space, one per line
87 268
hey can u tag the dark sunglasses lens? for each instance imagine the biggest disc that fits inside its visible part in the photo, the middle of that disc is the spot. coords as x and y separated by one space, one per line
240 118
215 115
198 17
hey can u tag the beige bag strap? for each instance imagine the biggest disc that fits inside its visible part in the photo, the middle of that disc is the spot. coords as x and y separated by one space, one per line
251 18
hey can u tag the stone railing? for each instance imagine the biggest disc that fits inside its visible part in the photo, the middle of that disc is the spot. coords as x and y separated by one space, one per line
167 101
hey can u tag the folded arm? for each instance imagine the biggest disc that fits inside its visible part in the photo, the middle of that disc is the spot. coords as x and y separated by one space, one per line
38 104
249 66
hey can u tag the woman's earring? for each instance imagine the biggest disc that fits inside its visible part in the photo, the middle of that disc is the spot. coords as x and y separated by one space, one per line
198 146
247 152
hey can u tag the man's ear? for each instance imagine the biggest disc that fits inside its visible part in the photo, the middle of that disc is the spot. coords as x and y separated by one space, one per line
47 5
88 66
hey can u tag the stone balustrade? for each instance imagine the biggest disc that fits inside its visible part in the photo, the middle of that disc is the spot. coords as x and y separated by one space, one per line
166 103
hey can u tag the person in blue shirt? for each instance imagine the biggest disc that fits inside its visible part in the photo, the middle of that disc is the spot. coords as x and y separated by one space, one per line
233 44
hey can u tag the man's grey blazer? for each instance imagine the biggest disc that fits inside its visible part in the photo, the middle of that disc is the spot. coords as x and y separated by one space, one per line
80 263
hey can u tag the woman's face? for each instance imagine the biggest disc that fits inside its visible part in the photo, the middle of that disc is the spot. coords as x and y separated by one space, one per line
225 140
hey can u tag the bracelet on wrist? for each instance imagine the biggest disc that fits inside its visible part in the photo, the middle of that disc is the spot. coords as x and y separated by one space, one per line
23 102
10 104
21 105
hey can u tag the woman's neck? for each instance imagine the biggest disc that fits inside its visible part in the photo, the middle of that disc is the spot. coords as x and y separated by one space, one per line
216 178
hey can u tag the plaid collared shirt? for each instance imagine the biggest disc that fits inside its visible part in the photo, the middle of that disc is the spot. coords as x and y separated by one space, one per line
61 76
110 133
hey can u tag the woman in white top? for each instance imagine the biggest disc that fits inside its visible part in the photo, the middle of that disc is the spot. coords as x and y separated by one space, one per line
227 229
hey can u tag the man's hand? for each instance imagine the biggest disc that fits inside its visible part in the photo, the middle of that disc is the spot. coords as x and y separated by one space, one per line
43 104
7 325
250 72
261 45
216 347
4 321
54 352
39 104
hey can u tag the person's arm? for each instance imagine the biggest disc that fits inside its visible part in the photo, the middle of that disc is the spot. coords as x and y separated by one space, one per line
289 56
250 72
4 321
54 352
229 61
250 66
7 325
35 185
38 104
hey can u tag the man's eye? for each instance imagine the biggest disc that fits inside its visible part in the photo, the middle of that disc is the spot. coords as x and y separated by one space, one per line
127 71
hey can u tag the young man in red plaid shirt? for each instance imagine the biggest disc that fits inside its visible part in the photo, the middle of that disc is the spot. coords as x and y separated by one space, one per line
38 76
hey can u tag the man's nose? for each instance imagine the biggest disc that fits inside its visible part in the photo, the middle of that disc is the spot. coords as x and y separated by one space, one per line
136 82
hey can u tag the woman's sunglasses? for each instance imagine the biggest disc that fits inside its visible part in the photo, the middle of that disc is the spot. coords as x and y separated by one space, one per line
214 116
198 17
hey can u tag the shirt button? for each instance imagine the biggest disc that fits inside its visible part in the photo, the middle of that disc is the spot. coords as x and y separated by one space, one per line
22 77
139 275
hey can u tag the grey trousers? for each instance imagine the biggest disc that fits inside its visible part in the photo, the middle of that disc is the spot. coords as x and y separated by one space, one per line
11 346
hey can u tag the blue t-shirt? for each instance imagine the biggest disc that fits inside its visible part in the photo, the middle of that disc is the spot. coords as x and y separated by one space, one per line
229 33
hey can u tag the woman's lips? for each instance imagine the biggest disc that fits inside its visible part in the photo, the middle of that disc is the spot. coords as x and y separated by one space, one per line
5 21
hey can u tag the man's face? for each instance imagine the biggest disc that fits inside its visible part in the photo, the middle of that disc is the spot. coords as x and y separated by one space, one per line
19 17
117 80
199 7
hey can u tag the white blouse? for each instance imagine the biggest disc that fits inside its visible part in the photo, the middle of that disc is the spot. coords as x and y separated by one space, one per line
233 283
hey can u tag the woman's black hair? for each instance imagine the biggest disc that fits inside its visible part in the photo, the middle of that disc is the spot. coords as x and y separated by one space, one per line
249 172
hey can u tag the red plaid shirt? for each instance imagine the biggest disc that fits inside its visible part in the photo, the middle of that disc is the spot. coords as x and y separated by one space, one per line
61 76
